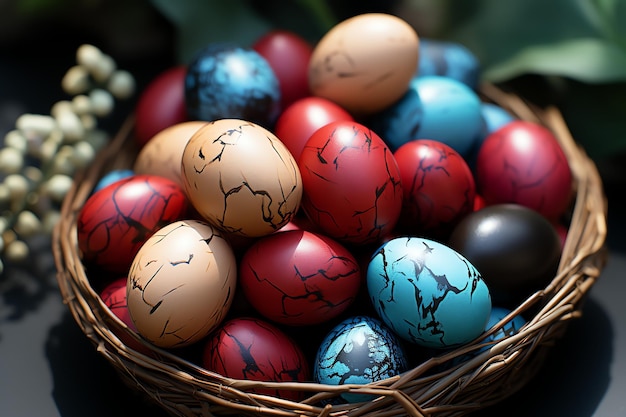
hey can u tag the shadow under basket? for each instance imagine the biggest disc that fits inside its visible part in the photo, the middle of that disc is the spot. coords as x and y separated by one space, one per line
445 385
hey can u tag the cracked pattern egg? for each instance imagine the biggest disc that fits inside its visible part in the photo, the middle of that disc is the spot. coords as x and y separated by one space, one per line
181 283
241 178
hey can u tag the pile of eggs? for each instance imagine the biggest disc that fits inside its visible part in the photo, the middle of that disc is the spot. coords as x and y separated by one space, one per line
330 213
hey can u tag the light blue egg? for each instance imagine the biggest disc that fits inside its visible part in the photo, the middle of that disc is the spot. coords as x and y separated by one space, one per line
449 59
451 112
428 293
493 117
359 350
111 177
508 329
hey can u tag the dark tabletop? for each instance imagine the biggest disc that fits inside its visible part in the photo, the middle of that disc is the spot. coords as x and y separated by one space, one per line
48 367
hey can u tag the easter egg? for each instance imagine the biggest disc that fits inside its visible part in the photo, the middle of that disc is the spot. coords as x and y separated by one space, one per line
116 220
438 187
288 54
400 122
161 104
451 112
365 62
351 181
448 59
241 178
428 293
301 119
523 163
508 329
163 154
299 278
358 350
226 81
516 249
255 350
181 283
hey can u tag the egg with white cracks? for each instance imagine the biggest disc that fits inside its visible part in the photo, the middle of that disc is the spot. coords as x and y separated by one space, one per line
359 350
225 80
451 112
428 293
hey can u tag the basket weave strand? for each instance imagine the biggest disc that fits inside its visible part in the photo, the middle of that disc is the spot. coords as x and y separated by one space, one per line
434 388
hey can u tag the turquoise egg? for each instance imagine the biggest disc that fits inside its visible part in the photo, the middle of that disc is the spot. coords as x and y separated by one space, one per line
112 176
451 112
358 350
450 59
428 293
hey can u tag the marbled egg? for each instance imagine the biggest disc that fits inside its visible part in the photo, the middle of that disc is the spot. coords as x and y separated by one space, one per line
365 62
117 219
181 283
448 59
241 178
358 350
352 186
227 81
428 293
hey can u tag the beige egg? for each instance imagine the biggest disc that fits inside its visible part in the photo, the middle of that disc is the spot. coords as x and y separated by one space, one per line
181 283
365 63
162 155
241 178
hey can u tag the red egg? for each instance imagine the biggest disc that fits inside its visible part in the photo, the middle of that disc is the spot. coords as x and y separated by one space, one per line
288 54
301 119
299 278
116 220
438 187
352 186
252 349
479 202
161 104
523 163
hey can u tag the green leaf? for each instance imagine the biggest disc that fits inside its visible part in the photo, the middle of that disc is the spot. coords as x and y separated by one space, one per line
586 59
576 38
200 22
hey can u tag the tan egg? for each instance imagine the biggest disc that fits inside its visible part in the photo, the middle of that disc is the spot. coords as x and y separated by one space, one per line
365 63
181 283
162 155
241 178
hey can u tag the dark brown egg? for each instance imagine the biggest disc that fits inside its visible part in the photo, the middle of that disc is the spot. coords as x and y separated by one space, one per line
515 249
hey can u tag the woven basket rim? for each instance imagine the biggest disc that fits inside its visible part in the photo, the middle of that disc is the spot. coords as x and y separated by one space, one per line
185 389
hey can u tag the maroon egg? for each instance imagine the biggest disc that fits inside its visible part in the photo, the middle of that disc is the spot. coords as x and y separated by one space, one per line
161 104
352 186
438 187
252 349
523 163
300 120
288 54
116 220
299 278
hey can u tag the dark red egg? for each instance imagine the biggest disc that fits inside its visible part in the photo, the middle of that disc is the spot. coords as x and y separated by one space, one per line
299 278
352 186
301 119
117 219
161 104
523 163
288 54
438 187
479 202
253 349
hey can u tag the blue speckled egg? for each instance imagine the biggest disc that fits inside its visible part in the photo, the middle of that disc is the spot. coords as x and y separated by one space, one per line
449 59
400 122
428 293
358 350
451 112
111 177
225 81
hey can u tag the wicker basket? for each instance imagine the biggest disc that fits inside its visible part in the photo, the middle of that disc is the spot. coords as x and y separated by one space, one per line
457 388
